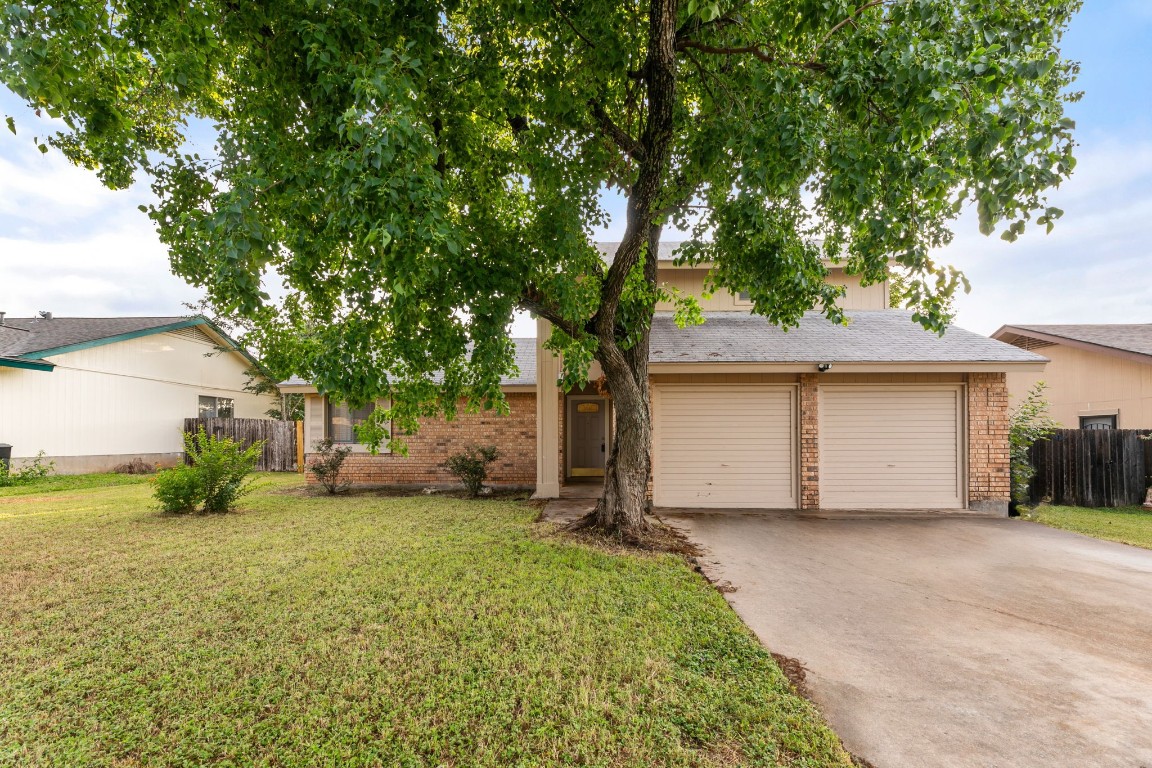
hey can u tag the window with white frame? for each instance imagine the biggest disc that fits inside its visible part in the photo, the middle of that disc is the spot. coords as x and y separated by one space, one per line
216 407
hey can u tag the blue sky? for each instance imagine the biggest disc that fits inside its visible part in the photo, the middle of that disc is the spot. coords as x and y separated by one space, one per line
70 246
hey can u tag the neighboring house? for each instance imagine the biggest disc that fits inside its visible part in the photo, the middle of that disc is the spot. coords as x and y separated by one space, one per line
94 392
878 414
1099 377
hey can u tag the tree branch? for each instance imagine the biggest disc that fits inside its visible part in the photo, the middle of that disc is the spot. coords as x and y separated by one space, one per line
753 49
532 300
618 135
568 21
849 20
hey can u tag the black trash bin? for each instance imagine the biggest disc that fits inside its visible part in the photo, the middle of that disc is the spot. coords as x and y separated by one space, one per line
6 454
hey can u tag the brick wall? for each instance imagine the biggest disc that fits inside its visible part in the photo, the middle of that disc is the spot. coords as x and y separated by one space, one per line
989 473
809 442
514 435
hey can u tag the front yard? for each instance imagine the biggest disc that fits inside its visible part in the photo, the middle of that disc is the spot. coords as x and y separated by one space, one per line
1128 525
316 631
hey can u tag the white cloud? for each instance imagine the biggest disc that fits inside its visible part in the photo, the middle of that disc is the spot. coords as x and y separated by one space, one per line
1096 265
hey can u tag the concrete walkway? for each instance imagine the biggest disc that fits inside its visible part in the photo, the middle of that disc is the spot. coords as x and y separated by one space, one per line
951 642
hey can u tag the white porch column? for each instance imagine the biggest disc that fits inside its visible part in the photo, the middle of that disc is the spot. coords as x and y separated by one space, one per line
547 416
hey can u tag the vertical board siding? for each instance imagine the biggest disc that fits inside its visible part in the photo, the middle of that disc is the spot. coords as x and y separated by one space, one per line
1092 467
279 454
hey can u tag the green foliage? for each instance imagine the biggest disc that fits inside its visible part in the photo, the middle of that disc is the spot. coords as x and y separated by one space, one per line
328 467
416 171
32 472
222 465
471 466
215 480
179 489
1029 422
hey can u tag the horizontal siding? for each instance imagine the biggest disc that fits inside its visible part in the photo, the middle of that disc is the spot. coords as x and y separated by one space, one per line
890 447
724 446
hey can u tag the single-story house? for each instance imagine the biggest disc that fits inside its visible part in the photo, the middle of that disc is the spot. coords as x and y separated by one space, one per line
1099 377
878 414
95 392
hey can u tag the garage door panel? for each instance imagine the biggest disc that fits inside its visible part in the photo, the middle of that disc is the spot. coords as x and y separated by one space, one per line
724 446
890 448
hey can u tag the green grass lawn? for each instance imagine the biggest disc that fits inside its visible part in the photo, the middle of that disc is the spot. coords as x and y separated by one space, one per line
54 483
357 631
1129 525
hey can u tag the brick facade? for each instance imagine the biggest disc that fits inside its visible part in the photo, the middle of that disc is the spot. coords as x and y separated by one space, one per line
989 465
809 441
514 435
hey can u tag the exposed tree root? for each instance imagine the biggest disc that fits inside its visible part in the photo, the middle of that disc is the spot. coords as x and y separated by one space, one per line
654 536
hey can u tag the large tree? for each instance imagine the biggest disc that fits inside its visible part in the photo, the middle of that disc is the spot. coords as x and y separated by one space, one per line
415 171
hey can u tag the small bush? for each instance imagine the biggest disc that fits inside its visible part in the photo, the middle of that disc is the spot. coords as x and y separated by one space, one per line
136 466
28 474
471 466
328 468
179 489
222 464
215 478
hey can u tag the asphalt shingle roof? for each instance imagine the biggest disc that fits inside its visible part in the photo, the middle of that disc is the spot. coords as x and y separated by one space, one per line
1127 338
881 336
21 336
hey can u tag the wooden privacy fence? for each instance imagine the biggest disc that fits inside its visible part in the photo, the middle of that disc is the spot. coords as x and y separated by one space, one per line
279 438
1092 467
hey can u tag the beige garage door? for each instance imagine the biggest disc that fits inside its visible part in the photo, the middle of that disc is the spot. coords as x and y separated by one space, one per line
724 446
891 447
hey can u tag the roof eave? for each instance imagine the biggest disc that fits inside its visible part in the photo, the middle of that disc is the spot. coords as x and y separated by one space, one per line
27 365
952 366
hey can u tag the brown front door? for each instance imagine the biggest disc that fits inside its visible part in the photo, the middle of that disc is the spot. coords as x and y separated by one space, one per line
587 436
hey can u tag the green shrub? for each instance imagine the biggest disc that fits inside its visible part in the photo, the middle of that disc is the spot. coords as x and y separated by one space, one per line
179 489
471 466
1029 422
328 467
28 474
215 478
222 465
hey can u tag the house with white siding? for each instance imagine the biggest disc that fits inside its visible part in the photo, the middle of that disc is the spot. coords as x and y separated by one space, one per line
874 414
95 392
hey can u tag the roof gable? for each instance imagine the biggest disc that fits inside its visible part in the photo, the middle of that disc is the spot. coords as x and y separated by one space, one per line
1132 341
33 339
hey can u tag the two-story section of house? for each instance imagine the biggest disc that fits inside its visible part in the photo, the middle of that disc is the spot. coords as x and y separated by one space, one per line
875 414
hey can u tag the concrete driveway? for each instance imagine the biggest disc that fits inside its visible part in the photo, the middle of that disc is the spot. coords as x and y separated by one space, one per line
951 642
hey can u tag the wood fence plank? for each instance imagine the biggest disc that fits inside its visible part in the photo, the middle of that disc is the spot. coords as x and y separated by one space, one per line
1092 468
279 452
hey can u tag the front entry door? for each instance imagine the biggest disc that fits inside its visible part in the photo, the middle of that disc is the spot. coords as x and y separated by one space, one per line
587 436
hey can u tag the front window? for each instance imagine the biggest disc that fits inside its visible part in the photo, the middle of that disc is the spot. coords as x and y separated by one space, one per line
1098 422
216 407
342 421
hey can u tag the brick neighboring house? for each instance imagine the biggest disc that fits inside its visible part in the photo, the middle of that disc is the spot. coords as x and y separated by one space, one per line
878 414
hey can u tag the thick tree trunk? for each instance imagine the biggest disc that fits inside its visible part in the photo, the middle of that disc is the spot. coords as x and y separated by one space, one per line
621 510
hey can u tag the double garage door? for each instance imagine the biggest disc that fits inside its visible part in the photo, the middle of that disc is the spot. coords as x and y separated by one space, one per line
725 446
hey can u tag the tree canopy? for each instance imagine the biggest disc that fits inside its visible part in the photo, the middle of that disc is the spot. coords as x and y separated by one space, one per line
416 171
